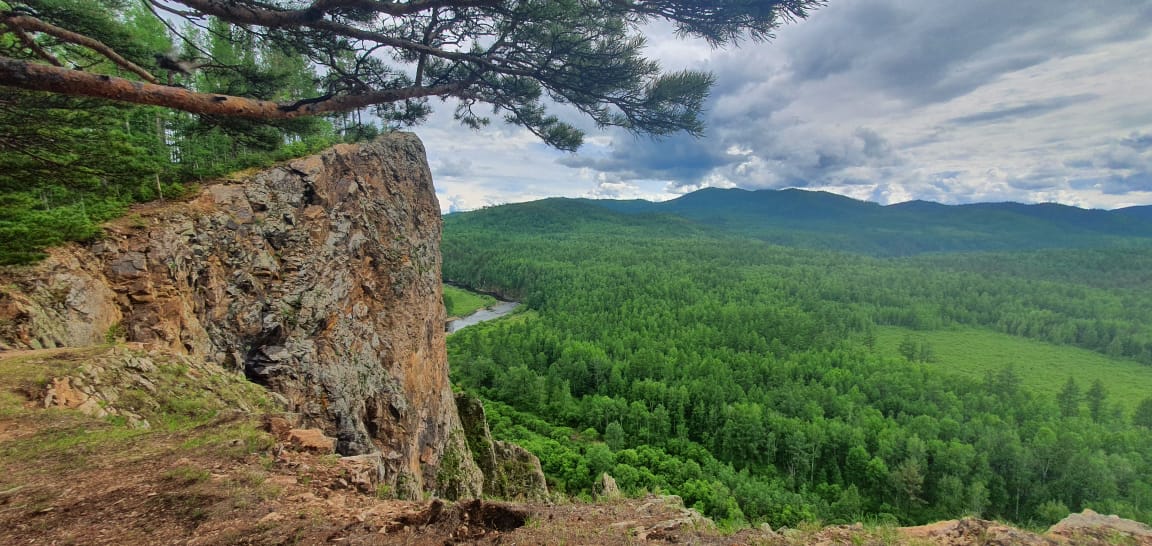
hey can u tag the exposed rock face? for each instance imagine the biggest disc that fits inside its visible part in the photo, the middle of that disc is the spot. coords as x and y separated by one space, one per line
319 279
959 532
63 302
521 473
606 487
1086 528
1106 529
510 471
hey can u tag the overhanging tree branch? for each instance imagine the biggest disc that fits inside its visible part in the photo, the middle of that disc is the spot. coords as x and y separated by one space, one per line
31 44
396 8
26 23
517 56
39 77
247 15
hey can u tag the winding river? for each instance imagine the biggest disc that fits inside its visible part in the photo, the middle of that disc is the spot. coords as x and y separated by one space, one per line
494 312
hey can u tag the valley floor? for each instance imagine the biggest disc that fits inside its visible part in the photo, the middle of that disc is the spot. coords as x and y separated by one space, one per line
1043 367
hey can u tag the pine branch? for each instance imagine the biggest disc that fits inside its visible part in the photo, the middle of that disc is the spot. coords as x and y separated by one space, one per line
33 46
27 22
40 77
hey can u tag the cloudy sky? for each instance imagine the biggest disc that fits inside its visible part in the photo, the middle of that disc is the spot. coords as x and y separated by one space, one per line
954 101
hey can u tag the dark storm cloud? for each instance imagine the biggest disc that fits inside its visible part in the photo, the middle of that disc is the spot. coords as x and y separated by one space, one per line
1141 181
679 156
1032 109
875 146
1139 142
1116 184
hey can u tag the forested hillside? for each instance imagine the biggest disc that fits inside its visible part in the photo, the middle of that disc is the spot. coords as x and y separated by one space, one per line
824 220
759 382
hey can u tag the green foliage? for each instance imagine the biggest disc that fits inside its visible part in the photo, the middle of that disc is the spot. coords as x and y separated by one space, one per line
1069 399
27 228
614 435
520 58
70 164
383 491
1051 512
1095 399
916 349
1142 417
766 383
114 333
1044 368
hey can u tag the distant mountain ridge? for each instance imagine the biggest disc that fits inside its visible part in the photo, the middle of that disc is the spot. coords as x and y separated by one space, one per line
1141 212
826 220
817 219
794 204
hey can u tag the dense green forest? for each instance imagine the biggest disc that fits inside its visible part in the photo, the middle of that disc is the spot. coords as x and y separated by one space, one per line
67 164
762 382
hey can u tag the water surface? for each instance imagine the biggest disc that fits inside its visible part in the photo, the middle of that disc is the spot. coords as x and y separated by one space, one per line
493 312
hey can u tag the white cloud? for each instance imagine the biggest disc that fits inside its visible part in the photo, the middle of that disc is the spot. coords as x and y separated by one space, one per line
886 100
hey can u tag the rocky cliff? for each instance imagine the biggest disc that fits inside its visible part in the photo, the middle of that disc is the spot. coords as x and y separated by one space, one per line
319 278
510 471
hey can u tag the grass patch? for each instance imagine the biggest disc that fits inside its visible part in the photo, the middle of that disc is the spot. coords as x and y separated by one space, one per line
187 475
71 436
880 533
188 399
70 441
461 303
235 441
181 400
521 314
17 371
25 378
1042 367
11 404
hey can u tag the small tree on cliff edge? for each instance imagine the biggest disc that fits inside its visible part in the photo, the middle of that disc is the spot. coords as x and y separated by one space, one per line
396 54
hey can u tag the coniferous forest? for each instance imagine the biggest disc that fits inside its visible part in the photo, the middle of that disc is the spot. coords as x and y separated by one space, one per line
768 374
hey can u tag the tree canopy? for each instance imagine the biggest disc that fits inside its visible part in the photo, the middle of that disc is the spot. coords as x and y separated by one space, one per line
515 58
783 384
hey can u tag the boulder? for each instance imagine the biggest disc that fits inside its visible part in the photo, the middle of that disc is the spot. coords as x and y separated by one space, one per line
606 487
1089 525
311 440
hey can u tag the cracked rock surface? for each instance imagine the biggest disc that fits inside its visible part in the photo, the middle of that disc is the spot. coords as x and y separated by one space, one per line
318 278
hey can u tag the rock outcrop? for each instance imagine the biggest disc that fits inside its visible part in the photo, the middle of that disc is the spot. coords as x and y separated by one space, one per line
127 385
1085 528
606 488
510 471
320 279
1112 529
